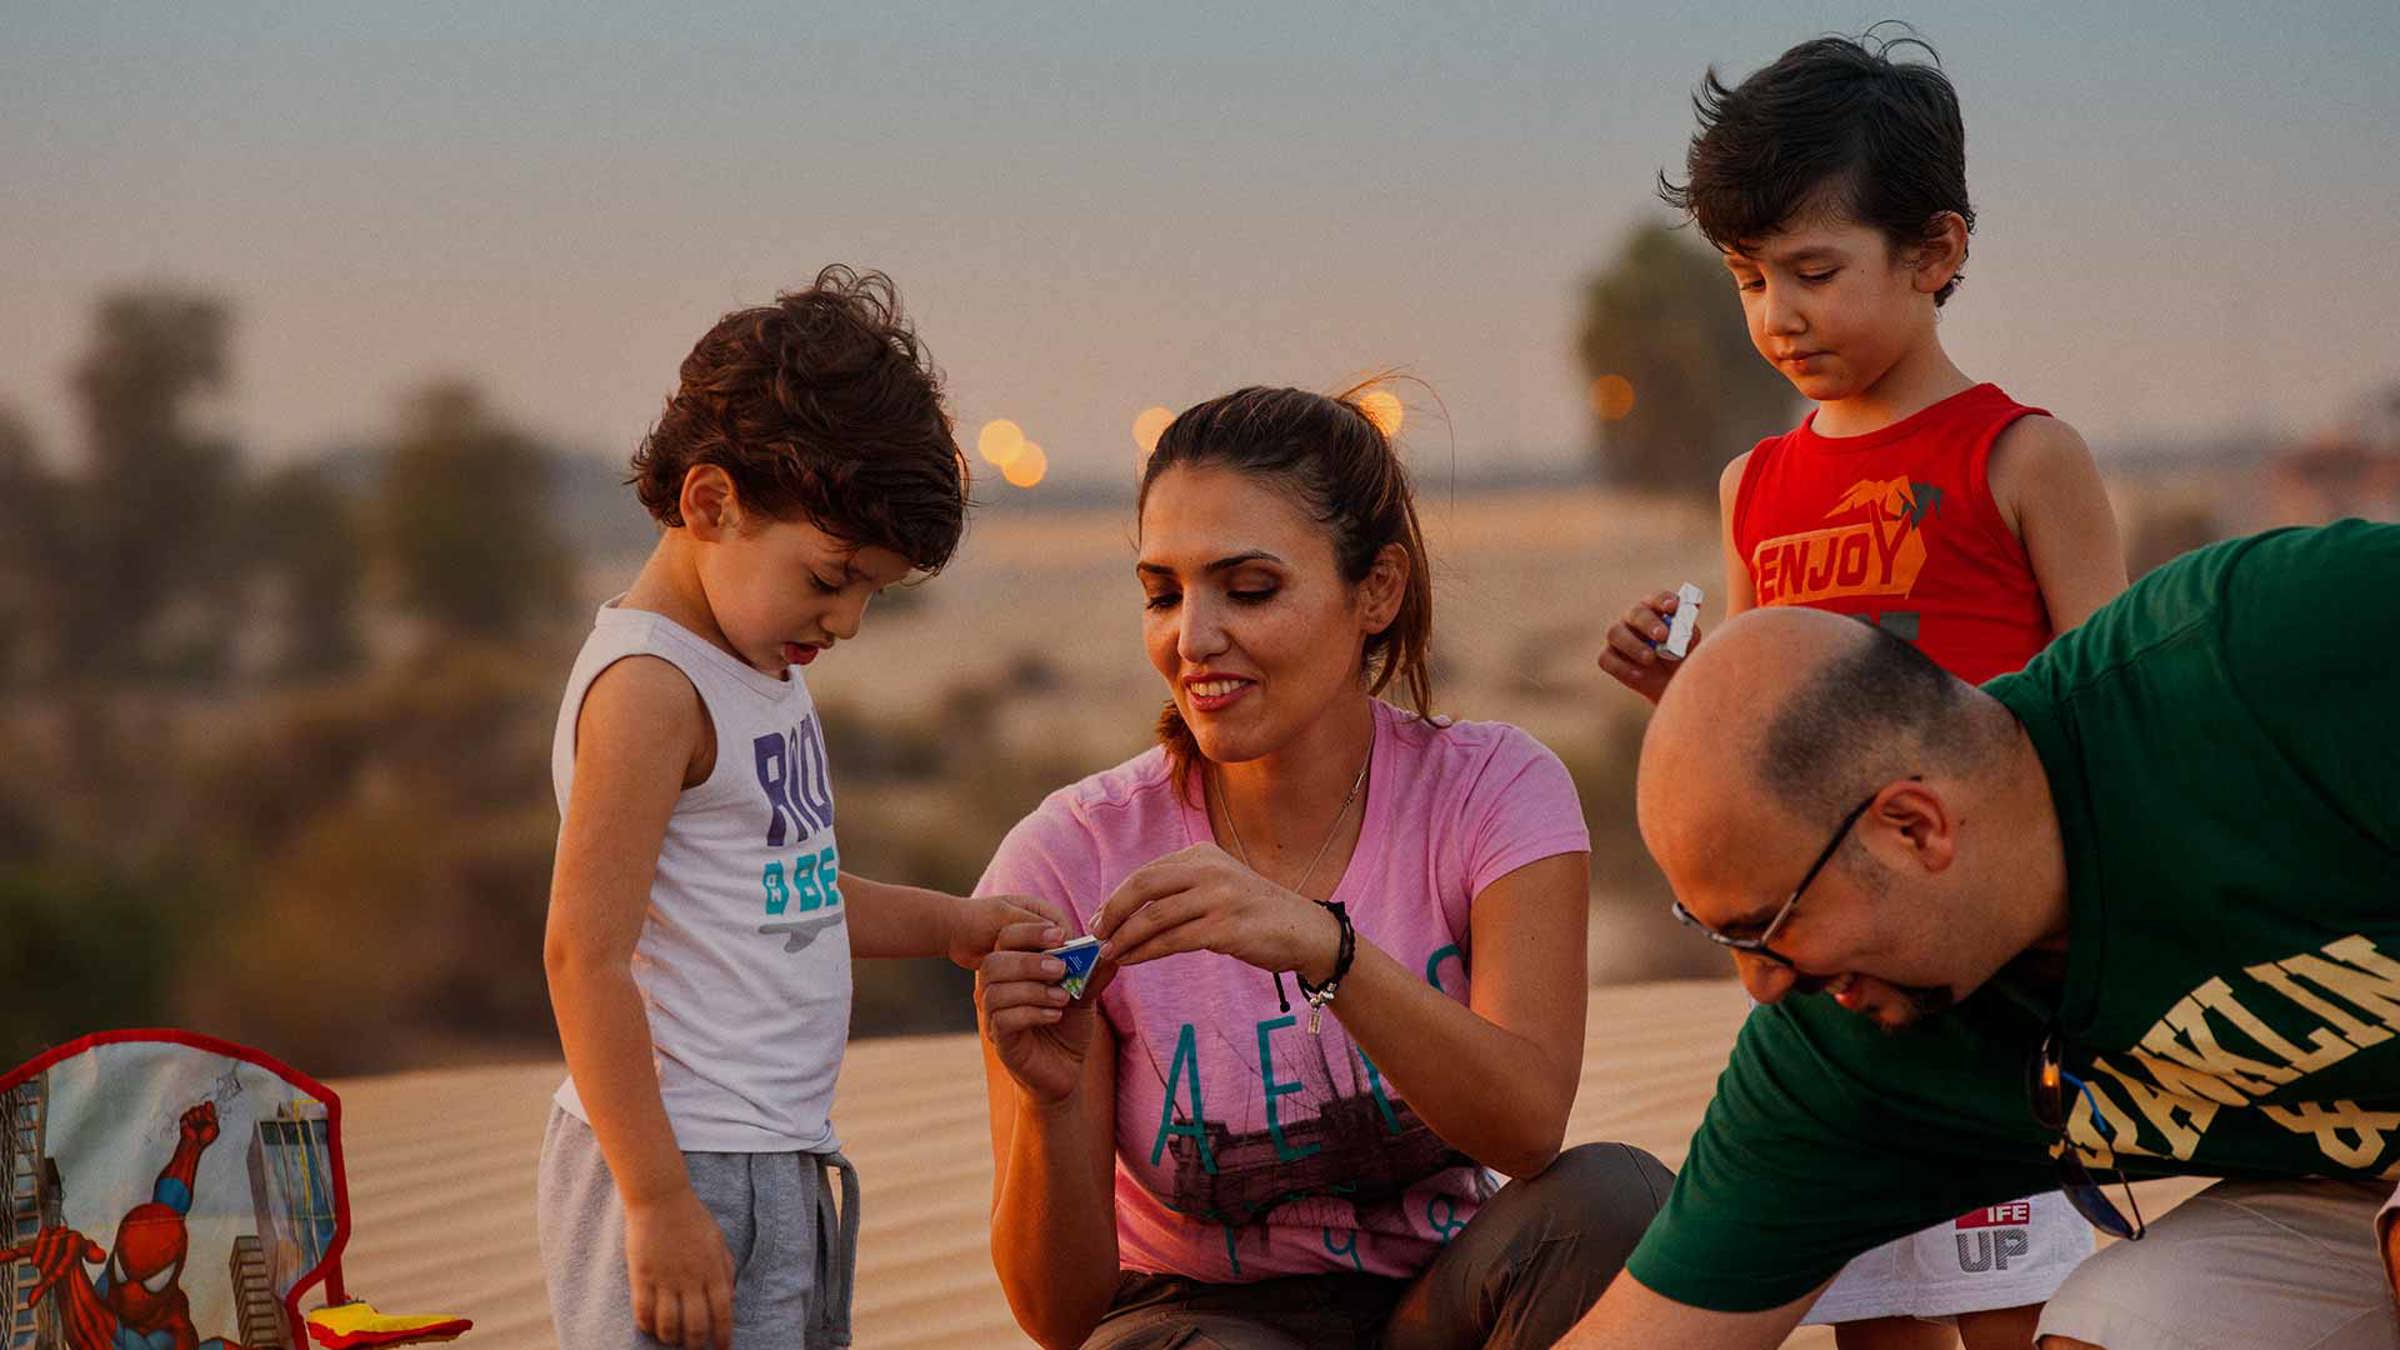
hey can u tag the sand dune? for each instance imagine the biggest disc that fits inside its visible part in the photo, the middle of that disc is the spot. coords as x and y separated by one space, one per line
441 1169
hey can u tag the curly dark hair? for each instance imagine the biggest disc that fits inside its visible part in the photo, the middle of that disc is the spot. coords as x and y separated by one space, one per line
824 407
1833 122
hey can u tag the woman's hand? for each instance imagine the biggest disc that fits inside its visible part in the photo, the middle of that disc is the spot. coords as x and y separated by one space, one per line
1201 899
1041 1034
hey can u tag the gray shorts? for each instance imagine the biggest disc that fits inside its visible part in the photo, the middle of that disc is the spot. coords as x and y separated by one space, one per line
2243 1265
794 1255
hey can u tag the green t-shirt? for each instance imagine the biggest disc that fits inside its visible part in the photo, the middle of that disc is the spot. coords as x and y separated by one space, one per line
2223 745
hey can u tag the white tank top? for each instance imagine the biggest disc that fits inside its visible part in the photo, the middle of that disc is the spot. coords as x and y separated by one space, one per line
744 957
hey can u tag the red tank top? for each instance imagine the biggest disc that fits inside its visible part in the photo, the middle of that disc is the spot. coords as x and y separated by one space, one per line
1897 526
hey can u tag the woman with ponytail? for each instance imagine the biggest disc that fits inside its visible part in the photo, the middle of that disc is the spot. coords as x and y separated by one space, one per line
1341 992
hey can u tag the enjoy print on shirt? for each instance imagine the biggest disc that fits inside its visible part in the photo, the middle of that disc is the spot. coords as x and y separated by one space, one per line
1878 549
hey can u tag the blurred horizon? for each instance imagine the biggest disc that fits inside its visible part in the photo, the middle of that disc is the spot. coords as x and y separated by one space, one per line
331 327
1145 205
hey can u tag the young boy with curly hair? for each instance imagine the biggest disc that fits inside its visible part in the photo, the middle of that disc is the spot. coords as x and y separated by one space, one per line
701 922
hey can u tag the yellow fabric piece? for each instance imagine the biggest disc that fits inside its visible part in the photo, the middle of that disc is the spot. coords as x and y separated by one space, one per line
361 1319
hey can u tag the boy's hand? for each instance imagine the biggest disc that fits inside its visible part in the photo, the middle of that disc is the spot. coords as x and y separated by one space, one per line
681 1272
976 921
1631 654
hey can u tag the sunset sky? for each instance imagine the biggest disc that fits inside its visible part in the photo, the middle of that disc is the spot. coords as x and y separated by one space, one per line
2189 215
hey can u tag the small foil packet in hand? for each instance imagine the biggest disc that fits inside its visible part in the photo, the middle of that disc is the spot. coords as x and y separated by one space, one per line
1082 956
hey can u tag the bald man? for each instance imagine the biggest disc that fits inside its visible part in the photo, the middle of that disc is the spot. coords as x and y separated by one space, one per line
2135 908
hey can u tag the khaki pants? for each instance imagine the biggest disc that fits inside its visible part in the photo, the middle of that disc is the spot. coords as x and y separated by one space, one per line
2243 1265
1523 1270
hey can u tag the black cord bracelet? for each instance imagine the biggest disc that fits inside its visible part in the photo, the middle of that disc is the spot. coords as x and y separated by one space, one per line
1343 956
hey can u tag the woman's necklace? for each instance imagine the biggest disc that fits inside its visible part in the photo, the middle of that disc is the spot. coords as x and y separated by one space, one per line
1300 888
1332 832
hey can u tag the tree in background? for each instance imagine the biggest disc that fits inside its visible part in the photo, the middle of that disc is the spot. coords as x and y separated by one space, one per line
393 864
32 556
155 588
466 520
1676 388
311 552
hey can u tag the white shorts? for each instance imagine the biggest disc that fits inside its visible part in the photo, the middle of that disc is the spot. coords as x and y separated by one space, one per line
2006 1256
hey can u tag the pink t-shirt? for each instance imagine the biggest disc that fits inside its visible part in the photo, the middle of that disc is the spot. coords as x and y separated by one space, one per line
1247 1148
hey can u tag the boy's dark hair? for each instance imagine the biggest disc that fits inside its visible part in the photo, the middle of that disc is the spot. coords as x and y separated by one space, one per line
823 407
1336 462
1835 122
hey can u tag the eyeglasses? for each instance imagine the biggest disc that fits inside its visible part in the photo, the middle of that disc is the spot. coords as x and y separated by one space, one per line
2053 1091
1757 946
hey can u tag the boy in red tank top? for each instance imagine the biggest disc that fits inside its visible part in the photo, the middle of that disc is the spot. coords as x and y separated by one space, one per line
1910 496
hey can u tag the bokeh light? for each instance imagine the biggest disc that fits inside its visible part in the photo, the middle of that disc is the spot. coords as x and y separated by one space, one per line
1149 425
999 442
1612 397
1382 407
1026 467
